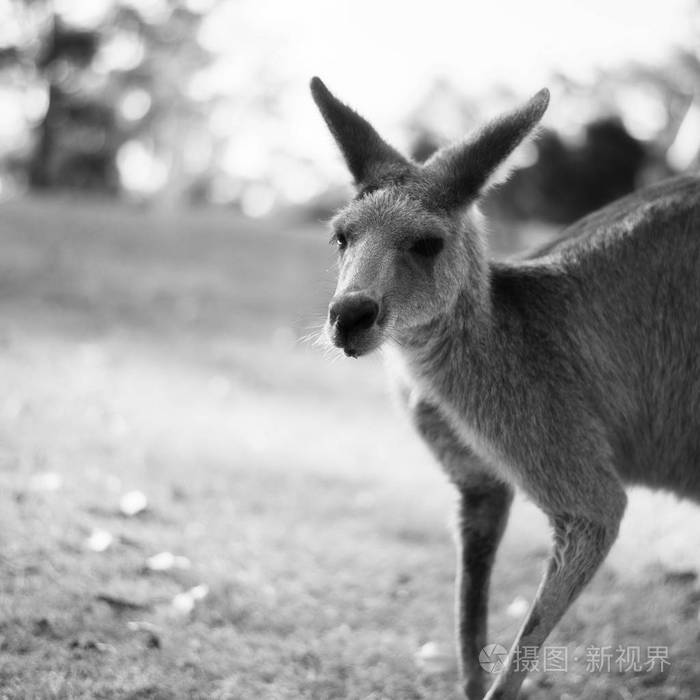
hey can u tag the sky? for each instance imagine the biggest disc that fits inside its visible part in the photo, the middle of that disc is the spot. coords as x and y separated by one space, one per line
380 50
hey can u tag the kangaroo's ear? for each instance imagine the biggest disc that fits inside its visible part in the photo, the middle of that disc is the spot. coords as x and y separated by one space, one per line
369 158
461 172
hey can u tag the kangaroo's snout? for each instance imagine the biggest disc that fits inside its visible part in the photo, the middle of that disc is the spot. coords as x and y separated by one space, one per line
354 312
349 316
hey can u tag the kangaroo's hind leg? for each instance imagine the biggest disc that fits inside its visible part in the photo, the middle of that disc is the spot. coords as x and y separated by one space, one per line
483 512
581 543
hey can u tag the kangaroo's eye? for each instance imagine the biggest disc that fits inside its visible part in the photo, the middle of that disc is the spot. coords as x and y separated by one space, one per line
428 246
339 240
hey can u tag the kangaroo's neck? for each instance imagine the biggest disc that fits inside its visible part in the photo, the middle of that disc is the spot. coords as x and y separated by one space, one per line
464 357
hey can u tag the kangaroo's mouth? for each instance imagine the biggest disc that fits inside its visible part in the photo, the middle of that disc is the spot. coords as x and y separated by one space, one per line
356 322
355 343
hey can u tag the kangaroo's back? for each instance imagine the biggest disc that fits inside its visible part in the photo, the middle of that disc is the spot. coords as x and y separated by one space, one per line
673 196
627 282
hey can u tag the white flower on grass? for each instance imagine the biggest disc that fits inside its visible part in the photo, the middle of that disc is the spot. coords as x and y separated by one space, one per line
518 607
99 540
163 561
433 657
183 603
132 503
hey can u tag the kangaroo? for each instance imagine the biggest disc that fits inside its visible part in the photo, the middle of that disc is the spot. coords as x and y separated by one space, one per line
569 374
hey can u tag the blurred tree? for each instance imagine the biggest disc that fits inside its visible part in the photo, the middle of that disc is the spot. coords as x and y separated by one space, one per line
181 100
568 181
631 126
156 107
75 141
117 109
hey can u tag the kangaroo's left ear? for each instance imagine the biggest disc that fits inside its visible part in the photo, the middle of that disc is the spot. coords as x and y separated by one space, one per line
371 160
461 172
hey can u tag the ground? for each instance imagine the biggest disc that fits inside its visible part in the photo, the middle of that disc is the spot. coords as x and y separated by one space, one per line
161 353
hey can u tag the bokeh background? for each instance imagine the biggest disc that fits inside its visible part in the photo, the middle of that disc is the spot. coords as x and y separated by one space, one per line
196 501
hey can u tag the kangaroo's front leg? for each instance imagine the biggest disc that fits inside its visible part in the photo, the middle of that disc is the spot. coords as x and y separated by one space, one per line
580 545
483 513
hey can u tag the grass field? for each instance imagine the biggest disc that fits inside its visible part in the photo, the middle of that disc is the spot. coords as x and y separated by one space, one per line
161 354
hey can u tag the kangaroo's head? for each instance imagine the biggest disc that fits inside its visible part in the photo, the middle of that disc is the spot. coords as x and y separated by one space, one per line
409 242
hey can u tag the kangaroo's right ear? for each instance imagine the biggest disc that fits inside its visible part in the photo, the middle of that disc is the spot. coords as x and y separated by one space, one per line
461 172
369 158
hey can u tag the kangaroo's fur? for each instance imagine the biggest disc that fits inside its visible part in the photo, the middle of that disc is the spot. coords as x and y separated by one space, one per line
569 374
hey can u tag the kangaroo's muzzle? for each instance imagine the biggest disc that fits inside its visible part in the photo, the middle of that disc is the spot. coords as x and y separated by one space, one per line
351 320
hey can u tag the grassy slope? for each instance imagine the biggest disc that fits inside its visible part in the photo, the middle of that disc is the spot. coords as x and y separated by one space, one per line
161 354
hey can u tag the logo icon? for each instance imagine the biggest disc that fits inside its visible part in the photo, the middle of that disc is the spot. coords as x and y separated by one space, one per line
493 657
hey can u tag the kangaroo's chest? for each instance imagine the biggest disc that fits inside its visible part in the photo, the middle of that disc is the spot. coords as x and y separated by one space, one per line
454 425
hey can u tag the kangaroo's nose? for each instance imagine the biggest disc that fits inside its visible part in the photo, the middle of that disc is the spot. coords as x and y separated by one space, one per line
353 312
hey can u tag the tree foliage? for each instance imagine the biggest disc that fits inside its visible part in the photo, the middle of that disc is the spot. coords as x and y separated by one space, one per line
122 78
